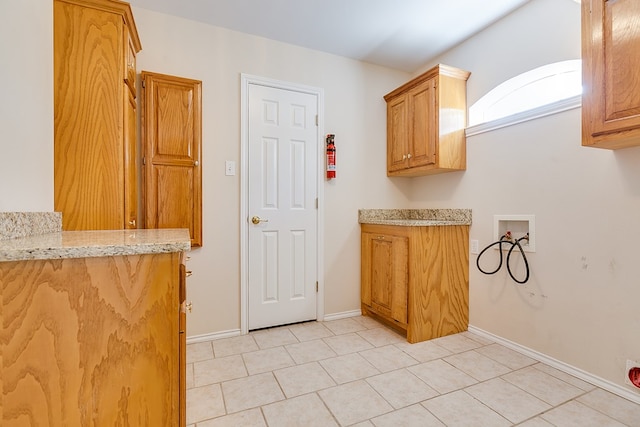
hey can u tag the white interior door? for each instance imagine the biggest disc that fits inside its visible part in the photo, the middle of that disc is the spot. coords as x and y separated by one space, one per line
282 211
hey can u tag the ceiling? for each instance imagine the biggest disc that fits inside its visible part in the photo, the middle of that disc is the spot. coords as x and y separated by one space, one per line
400 34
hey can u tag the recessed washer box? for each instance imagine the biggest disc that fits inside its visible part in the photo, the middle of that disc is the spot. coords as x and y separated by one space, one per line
518 225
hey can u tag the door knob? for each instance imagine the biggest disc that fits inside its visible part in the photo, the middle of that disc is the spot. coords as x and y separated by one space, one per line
258 220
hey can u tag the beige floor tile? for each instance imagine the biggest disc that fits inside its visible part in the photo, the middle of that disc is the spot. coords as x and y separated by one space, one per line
536 422
543 386
310 351
401 388
459 409
575 414
478 366
204 403
274 337
388 358
307 411
267 360
379 337
457 343
344 326
250 418
234 345
349 367
367 322
363 424
199 351
507 357
354 402
347 343
303 379
508 400
583 385
614 406
412 416
477 338
310 331
424 351
441 376
218 370
251 392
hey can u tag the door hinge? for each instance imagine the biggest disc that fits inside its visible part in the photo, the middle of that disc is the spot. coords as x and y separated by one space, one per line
316 203
316 287
143 85
144 160
316 120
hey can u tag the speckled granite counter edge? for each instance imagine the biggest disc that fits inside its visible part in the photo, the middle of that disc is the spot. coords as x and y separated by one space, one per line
415 217
89 244
21 224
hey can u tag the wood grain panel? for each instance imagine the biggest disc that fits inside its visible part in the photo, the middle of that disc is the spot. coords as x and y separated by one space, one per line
88 111
90 342
439 284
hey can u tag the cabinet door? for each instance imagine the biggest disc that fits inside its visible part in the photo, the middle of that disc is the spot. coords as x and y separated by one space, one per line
172 130
130 165
397 134
387 275
611 52
423 124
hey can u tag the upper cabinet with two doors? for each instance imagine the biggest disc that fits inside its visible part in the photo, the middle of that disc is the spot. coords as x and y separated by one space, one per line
610 73
426 118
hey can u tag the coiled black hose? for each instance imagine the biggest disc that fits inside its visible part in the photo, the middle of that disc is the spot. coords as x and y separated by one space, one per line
506 239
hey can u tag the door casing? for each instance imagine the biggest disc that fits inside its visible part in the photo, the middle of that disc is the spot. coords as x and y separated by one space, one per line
246 80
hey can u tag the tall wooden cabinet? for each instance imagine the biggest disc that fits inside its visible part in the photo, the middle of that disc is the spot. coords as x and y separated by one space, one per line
426 118
95 173
610 77
416 278
172 144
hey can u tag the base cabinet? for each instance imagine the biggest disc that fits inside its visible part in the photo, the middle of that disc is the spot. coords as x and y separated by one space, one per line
416 279
92 341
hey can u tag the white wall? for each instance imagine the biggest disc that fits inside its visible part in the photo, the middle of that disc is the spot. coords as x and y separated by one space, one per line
581 304
26 106
354 110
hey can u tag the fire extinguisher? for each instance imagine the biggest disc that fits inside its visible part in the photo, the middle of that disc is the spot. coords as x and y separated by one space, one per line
331 156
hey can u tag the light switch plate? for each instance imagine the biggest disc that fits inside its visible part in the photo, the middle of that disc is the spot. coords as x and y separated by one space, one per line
229 168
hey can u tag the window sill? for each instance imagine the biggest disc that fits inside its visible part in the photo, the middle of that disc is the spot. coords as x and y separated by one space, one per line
524 116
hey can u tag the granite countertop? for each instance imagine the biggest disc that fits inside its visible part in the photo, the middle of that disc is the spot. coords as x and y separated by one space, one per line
24 237
415 217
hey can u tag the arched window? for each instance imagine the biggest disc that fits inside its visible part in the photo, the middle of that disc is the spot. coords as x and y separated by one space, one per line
542 91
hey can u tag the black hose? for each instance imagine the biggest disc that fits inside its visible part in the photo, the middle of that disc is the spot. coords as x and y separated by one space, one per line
505 239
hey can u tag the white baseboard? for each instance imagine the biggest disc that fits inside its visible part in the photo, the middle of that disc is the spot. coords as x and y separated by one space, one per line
343 315
214 336
564 367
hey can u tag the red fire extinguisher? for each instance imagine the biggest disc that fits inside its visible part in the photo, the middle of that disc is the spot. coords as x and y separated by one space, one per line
331 156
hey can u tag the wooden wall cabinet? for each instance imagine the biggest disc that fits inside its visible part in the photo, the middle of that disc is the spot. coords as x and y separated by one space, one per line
172 144
426 120
416 279
95 178
93 341
610 77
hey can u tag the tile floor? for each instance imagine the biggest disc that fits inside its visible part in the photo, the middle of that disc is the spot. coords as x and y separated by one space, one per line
357 372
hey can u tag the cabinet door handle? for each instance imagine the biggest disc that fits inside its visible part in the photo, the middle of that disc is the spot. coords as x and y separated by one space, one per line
404 157
196 163
189 273
132 222
190 306
409 155
380 237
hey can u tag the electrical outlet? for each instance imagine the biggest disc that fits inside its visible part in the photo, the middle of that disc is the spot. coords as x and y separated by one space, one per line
229 168
632 374
474 247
